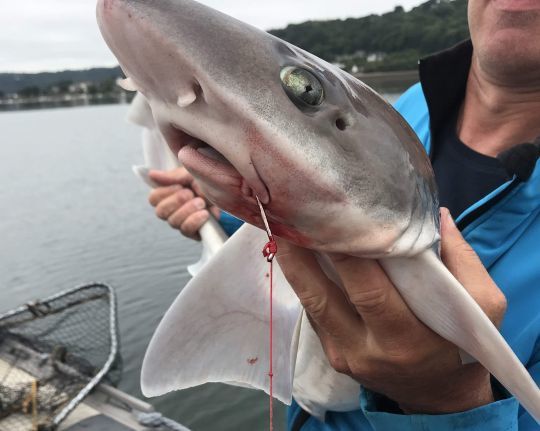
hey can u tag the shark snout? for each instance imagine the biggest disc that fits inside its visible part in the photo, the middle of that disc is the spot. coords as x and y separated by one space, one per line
109 4
152 63
105 7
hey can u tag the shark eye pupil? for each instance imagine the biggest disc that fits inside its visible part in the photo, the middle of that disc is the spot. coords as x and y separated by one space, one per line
302 86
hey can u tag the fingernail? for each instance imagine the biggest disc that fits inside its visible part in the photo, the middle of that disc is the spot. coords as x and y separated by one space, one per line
450 218
199 203
445 212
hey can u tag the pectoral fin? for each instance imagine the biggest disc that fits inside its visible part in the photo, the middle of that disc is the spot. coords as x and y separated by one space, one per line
217 330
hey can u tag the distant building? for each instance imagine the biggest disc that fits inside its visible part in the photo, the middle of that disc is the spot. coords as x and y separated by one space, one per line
375 56
79 87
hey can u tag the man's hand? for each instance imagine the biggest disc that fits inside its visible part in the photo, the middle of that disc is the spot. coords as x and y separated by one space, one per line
180 202
369 333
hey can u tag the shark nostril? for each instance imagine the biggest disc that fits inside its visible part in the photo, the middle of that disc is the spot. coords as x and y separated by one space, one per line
197 88
341 124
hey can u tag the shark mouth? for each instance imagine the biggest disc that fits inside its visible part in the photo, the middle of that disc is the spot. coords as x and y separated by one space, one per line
206 162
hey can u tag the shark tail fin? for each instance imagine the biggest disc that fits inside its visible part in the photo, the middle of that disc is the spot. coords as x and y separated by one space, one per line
143 173
443 304
157 155
212 237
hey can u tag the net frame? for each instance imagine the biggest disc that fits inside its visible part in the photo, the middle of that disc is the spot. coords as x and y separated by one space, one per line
113 334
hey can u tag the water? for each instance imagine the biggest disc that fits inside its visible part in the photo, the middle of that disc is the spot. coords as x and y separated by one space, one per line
72 212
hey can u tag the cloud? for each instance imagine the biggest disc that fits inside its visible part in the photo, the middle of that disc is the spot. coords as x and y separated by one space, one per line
63 34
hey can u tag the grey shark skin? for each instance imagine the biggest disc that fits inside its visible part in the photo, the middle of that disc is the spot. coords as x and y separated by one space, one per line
347 175
242 111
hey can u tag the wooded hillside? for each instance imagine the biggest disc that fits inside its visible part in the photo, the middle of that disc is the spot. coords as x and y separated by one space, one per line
392 41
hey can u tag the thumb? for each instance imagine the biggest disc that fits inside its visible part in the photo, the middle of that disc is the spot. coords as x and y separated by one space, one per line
463 262
179 176
456 253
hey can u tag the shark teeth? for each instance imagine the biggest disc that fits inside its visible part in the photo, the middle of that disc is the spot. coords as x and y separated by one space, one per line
127 84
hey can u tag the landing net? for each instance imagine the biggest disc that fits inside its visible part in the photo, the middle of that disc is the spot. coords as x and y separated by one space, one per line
53 353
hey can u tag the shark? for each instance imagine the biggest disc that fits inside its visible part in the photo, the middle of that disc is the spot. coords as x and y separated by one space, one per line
157 155
337 170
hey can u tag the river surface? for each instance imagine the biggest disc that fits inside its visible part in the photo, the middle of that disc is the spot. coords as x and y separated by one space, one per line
72 212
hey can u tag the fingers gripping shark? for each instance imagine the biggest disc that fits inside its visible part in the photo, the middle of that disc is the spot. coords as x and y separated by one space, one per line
337 169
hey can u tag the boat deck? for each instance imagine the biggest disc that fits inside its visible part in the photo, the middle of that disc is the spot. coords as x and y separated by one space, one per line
106 408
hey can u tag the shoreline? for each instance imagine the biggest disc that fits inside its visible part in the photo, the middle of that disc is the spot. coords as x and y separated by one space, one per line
389 82
395 74
383 82
63 101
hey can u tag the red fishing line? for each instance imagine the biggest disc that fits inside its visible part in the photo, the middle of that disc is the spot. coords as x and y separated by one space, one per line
269 252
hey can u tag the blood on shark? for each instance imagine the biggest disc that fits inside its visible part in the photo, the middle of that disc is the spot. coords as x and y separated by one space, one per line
337 169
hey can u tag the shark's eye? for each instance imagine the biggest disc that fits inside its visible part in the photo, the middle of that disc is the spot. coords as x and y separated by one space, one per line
302 85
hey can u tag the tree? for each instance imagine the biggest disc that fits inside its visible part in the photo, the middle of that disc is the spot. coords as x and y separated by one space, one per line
429 27
108 86
29 92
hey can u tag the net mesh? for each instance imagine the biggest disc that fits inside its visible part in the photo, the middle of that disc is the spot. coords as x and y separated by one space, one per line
52 353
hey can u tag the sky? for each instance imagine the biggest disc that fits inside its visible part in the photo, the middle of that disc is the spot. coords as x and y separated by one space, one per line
50 35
